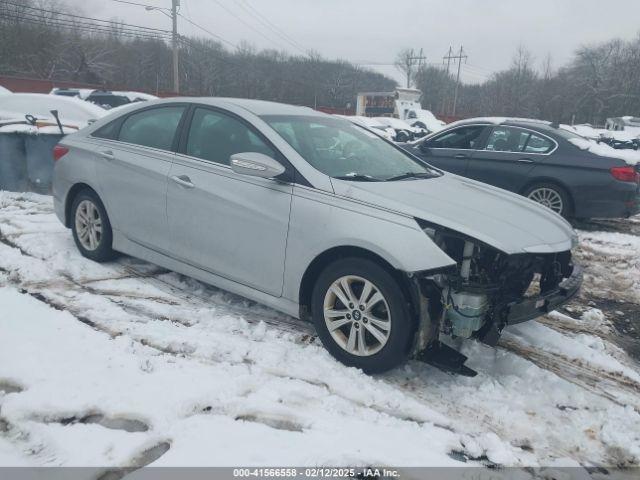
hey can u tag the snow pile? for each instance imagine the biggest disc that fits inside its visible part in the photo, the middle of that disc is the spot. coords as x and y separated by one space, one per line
632 157
429 119
139 360
71 111
4 91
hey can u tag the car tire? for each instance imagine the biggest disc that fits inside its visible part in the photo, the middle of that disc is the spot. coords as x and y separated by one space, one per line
91 227
371 329
551 196
402 136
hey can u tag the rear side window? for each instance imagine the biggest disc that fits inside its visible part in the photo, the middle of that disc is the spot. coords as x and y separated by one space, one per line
154 128
538 144
215 136
507 139
464 138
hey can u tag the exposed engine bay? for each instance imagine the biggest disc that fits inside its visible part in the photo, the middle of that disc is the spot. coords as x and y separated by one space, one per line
488 289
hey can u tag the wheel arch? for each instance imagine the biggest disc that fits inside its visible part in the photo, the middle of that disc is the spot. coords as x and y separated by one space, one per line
71 195
322 260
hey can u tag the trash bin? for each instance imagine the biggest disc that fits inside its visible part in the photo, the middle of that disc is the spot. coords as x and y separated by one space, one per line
39 153
13 164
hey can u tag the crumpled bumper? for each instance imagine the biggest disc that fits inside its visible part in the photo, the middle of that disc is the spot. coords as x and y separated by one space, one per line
530 308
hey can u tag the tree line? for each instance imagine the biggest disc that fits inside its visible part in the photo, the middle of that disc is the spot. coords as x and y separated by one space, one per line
46 39
600 81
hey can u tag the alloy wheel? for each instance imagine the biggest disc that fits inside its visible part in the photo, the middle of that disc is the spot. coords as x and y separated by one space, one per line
547 197
88 225
357 315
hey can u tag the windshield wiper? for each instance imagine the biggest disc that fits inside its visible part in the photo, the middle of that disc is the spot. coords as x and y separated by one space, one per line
412 175
358 178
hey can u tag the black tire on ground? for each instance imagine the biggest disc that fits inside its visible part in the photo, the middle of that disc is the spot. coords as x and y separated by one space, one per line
567 210
396 349
103 251
402 136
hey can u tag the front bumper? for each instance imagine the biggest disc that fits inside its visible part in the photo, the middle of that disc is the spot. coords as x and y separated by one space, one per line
530 308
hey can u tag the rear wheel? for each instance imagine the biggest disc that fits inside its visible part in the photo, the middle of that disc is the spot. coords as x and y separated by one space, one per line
91 227
551 196
361 315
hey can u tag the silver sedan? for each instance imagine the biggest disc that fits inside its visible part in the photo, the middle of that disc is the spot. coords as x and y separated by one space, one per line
316 217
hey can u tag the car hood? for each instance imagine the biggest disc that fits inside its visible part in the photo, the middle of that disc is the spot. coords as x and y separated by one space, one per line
504 220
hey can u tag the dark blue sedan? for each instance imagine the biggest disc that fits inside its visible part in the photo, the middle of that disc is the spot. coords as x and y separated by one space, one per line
539 160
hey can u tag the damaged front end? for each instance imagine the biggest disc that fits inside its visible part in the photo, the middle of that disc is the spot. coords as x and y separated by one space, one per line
488 289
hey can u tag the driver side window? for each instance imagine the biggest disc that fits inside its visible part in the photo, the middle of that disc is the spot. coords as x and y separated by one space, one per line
215 136
462 138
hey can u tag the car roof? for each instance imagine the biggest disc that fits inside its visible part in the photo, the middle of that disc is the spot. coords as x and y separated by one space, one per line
257 107
514 121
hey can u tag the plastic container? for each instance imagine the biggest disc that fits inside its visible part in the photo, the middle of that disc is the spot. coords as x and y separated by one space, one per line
39 156
13 163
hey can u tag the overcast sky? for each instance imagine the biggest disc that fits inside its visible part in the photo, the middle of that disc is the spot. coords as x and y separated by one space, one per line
373 31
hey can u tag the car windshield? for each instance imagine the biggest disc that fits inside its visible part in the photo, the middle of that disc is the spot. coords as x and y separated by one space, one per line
340 149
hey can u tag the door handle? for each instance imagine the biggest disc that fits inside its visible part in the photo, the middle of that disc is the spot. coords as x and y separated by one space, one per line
525 160
460 155
107 154
183 180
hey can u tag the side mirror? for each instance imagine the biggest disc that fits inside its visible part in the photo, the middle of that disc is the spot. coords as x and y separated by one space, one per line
256 165
424 147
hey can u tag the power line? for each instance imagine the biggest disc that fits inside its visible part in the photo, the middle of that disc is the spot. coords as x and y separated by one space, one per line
240 19
217 37
81 26
269 25
57 14
139 4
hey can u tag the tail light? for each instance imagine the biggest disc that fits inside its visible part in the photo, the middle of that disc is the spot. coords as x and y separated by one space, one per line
58 152
626 174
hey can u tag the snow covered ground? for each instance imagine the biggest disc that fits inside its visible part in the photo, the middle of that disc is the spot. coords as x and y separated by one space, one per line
127 364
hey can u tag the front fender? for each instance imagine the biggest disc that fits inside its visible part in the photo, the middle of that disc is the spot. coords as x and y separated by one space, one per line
320 222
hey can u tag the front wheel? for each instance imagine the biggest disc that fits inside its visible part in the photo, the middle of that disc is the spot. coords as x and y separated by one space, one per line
361 315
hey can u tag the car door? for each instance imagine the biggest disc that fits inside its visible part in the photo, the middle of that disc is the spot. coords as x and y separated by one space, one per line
229 224
452 149
509 157
135 159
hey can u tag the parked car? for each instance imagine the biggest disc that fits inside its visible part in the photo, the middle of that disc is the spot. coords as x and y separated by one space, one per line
404 131
316 217
71 111
104 98
371 123
533 158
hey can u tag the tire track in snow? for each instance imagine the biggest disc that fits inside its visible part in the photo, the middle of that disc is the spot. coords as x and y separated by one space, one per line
595 380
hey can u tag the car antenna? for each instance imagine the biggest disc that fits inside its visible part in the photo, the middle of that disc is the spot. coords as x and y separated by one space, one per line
55 115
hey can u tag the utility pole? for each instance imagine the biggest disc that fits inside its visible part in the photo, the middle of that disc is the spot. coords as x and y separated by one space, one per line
174 44
459 57
410 62
448 58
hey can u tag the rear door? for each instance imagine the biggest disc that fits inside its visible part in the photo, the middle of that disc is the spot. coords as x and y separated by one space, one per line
135 158
452 150
509 157
229 224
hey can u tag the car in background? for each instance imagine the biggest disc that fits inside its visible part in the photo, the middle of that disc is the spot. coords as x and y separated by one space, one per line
71 111
424 119
316 217
371 123
404 131
104 98
563 171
